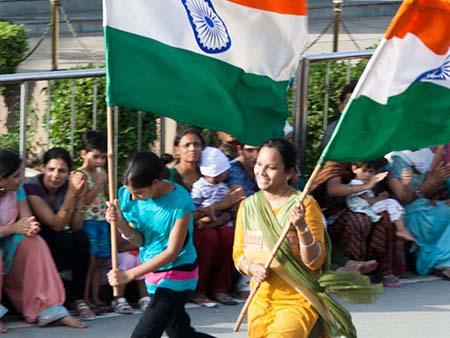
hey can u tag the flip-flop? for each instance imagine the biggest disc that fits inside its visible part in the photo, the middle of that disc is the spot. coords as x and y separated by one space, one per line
225 299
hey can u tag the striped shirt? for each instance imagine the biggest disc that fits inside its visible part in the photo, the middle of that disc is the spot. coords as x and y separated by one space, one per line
205 194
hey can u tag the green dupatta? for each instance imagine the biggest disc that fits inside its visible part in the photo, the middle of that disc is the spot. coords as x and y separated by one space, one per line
350 286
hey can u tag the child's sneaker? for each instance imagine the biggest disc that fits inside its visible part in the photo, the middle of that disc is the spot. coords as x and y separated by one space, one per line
121 306
143 303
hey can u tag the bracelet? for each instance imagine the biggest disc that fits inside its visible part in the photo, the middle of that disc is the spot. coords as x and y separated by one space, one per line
127 238
312 261
244 265
352 190
307 245
304 231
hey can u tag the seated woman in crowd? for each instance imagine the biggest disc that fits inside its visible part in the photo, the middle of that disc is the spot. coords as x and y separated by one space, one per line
426 217
359 244
212 267
373 205
27 270
57 199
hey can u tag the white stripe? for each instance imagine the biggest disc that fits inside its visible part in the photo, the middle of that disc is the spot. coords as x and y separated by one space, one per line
262 42
395 65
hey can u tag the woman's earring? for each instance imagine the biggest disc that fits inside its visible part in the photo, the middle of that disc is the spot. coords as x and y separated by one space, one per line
2 188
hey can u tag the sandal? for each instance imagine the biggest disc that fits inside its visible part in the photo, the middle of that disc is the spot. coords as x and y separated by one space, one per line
203 301
121 306
391 281
84 311
143 303
224 298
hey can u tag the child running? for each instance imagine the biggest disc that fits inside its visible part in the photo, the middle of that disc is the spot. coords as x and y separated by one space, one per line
157 216
95 225
363 199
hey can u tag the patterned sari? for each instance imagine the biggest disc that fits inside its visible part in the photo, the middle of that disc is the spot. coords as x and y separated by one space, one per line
354 233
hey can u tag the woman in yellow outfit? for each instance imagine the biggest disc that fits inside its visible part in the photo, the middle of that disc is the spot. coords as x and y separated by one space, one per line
292 296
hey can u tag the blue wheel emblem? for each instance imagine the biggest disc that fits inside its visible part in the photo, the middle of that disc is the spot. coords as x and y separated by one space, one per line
439 73
210 31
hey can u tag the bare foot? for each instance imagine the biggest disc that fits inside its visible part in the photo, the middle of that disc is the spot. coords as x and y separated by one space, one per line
2 328
359 266
406 235
71 322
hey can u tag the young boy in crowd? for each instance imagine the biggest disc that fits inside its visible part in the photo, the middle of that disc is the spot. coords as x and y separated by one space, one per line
95 226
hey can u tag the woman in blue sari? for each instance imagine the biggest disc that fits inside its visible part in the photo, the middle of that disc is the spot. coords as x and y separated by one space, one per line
421 189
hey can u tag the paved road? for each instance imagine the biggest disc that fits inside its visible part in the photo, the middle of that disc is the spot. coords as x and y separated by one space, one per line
419 309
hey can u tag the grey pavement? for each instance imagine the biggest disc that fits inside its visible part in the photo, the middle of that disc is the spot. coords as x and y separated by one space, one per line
418 309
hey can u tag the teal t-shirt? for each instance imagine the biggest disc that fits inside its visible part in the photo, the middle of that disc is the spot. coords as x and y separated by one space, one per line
21 195
154 219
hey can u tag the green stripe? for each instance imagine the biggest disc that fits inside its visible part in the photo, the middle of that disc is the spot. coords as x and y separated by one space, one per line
150 76
414 119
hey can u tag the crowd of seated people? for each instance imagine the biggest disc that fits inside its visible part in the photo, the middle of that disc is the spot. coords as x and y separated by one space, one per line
371 209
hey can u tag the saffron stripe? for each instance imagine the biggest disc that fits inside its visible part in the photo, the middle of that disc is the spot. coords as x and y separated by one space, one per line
429 20
294 7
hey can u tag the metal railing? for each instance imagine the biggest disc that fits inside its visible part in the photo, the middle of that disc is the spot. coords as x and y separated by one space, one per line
301 93
300 106
24 78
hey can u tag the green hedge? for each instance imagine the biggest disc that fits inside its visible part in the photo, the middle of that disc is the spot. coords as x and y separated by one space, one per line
13 45
316 93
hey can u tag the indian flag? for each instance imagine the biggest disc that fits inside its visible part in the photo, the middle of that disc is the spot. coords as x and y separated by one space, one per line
219 64
402 100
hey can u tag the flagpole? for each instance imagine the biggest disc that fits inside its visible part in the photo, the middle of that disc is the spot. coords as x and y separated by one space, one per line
275 249
112 190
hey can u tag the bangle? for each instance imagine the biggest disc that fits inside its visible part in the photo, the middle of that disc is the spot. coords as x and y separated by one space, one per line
307 245
352 190
302 232
127 238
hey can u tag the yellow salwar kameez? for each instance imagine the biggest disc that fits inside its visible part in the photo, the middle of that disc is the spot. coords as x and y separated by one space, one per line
280 308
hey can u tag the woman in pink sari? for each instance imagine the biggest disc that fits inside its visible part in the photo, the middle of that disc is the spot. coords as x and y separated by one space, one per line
27 272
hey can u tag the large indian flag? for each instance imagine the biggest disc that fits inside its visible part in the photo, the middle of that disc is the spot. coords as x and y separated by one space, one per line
220 64
402 100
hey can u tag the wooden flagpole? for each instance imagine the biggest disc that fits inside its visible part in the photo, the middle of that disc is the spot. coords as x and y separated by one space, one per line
112 190
275 249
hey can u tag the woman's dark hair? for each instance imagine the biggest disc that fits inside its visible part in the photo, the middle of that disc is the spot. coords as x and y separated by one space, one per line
186 131
58 153
286 149
142 169
9 163
94 140
347 89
